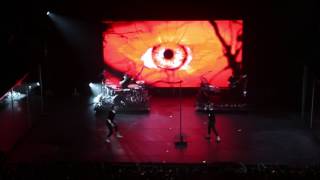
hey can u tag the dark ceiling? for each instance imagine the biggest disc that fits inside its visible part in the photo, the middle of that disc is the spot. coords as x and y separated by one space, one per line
165 9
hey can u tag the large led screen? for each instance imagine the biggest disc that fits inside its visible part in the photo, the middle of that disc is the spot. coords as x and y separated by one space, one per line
165 53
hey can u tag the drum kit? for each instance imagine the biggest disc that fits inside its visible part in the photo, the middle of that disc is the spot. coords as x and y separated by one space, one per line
135 94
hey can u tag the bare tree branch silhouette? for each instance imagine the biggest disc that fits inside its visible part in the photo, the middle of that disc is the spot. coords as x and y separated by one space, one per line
231 57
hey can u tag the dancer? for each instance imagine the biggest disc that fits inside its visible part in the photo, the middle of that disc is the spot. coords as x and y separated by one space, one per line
212 125
111 125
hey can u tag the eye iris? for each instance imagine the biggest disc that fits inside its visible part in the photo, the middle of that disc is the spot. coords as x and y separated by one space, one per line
168 54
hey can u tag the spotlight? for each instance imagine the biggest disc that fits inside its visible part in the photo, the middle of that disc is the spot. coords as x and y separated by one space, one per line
15 95
91 85
48 13
38 84
97 98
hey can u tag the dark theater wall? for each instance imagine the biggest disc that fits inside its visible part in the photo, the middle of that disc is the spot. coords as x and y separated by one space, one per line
279 38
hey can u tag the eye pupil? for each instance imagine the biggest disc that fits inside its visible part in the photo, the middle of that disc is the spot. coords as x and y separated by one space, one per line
168 54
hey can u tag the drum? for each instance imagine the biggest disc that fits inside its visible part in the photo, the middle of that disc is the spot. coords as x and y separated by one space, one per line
112 86
134 86
140 82
110 89
120 91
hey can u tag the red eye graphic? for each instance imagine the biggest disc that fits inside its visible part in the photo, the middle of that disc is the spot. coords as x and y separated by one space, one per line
167 56
164 52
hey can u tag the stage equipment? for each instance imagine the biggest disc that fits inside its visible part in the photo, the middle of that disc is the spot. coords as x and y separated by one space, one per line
133 98
232 98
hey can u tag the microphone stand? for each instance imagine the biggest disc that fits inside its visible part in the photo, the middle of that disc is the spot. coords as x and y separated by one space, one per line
181 144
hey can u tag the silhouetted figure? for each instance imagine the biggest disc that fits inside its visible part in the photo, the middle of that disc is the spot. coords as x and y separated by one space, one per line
212 126
206 94
111 125
203 94
125 81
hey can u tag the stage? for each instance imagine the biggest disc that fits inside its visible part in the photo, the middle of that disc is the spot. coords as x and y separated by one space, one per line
69 131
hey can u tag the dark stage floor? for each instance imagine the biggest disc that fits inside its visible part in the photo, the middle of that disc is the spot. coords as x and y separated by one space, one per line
69 131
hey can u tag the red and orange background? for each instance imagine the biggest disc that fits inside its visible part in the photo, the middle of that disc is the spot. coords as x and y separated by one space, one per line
125 43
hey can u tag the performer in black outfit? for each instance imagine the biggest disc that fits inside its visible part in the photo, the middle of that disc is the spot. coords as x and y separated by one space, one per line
125 81
212 125
111 125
